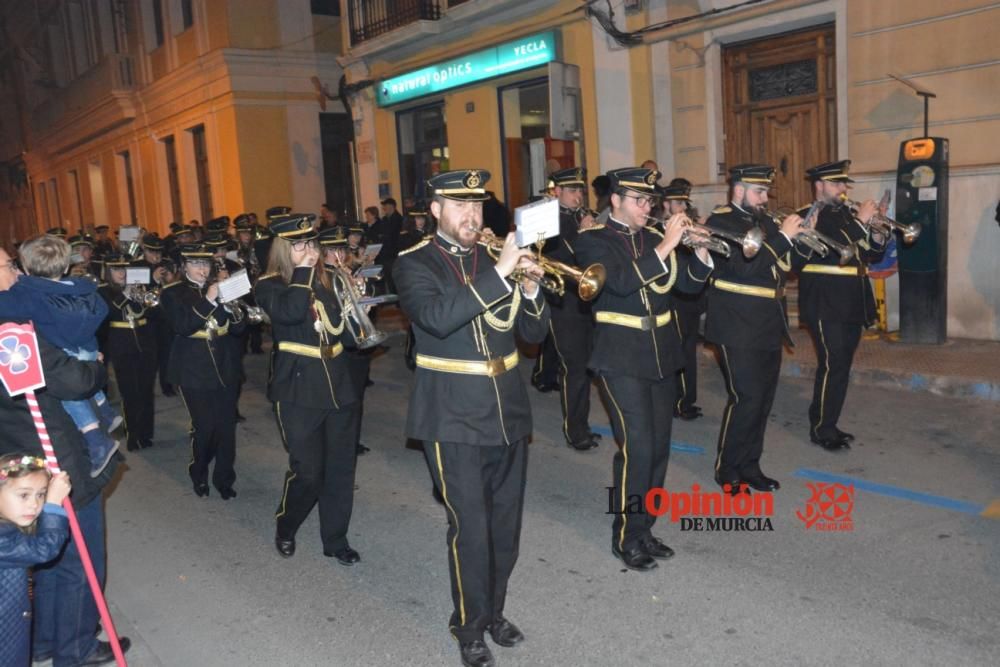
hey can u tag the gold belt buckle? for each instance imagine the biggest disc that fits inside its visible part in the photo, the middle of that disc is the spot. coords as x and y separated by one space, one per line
495 367
326 351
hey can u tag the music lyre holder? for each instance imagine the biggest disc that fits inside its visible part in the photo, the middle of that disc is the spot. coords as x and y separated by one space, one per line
922 92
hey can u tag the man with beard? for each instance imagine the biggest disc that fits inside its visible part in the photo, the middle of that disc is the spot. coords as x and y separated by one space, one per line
747 321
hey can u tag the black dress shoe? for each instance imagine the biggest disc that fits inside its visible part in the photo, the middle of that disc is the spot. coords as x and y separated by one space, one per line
227 493
688 414
201 489
546 387
844 435
362 449
505 633
634 558
583 445
595 436
168 391
831 444
369 382
145 443
285 547
240 418
132 446
345 556
656 548
762 483
476 654
103 655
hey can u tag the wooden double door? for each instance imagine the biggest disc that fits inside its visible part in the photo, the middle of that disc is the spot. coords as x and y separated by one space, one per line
780 107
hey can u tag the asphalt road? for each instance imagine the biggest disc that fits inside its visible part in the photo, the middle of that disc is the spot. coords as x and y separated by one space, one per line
197 582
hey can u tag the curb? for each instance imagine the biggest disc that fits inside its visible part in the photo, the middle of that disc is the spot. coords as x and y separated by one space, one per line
939 385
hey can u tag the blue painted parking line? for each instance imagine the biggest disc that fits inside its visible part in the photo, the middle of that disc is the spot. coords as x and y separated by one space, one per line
894 491
674 445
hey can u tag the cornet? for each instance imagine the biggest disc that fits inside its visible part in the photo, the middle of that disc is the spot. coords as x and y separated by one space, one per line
750 242
142 296
818 242
884 224
356 319
238 309
589 280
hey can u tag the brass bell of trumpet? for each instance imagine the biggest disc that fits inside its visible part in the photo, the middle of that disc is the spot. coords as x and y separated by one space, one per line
589 281
884 224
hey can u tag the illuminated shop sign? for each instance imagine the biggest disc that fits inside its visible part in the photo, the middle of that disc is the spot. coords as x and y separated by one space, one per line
524 53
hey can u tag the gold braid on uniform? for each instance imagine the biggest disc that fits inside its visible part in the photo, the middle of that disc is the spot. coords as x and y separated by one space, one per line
671 279
325 319
505 324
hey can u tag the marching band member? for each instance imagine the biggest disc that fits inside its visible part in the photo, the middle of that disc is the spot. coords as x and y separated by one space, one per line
131 349
469 405
315 394
205 368
637 348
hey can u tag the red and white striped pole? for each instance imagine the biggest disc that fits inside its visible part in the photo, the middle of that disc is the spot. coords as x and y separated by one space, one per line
74 525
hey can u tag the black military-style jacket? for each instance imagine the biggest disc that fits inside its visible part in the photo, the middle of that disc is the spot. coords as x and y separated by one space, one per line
205 353
463 311
129 328
309 366
561 249
737 317
636 332
845 294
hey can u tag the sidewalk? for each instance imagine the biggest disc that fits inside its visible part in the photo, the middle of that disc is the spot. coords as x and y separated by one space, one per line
960 368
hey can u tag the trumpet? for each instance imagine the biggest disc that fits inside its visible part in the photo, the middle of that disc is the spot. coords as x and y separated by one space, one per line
589 280
142 295
239 309
750 242
884 224
356 319
816 241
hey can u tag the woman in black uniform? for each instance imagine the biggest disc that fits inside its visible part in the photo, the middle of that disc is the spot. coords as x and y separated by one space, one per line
315 394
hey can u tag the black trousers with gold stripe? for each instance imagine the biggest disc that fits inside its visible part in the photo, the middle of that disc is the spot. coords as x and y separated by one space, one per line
135 372
835 344
546 370
571 336
688 320
483 491
641 414
213 434
751 379
322 455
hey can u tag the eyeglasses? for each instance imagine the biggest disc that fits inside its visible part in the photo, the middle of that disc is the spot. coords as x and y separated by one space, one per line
10 266
299 246
642 202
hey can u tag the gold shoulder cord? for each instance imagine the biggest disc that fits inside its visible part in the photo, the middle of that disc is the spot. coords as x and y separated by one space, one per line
670 279
505 324
325 319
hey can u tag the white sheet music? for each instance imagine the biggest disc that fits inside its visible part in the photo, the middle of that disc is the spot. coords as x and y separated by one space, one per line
538 220
234 286
137 275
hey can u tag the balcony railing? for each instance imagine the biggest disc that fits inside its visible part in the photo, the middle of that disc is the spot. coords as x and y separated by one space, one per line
371 18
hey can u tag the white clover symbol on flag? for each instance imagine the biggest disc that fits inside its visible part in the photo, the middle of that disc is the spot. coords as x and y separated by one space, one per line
15 354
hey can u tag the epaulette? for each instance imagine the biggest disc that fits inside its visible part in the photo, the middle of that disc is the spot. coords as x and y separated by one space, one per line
722 209
268 275
416 247
592 229
169 285
100 285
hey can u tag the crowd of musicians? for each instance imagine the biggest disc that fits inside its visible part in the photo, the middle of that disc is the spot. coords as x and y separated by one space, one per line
470 297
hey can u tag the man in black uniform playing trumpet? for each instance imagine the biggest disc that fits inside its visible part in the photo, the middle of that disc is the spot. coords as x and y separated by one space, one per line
836 300
570 328
469 405
747 321
637 348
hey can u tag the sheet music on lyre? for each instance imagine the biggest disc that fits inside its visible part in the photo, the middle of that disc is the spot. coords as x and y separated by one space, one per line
234 286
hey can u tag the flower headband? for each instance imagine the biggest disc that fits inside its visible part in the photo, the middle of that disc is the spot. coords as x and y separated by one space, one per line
34 462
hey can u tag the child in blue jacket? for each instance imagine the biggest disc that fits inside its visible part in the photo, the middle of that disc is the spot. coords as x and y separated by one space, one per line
30 534
66 312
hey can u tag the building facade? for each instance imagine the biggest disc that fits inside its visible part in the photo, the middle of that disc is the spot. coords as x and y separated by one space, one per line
151 111
789 82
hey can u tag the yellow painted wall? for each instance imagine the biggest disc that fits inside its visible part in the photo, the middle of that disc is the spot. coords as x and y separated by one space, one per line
474 138
641 86
158 60
253 24
217 28
328 36
260 160
187 47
